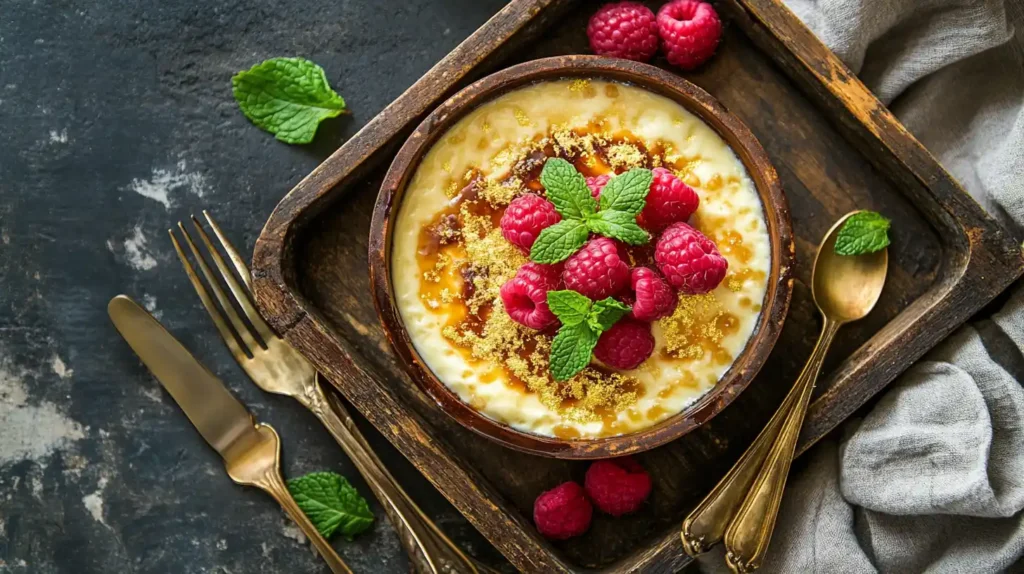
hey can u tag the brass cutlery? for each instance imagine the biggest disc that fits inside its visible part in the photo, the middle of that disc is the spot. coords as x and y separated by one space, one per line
251 451
277 368
743 507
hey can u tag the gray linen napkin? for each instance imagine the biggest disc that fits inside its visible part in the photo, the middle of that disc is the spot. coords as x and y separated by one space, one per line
932 479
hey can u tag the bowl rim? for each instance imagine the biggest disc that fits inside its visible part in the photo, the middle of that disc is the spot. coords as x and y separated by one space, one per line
695 100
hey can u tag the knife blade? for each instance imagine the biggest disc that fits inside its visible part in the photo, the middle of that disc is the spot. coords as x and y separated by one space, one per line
218 416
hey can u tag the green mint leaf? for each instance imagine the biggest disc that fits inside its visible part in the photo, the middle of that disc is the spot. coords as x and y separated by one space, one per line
331 504
559 241
864 232
627 192
570 307
605 313
567 189
571 350
287 97
618 225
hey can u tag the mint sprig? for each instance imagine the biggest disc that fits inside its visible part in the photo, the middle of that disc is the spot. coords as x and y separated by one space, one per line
331 503
864 232
287 97
583 321
622 198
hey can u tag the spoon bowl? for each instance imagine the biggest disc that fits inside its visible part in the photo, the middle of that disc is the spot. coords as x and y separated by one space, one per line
845 287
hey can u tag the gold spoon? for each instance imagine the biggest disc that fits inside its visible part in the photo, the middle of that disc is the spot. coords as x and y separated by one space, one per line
845 288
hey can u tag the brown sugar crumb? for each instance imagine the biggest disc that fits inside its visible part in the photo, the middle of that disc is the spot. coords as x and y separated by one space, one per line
623 156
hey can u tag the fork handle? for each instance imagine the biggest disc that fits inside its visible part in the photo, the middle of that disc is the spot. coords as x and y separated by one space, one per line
429 550
273 484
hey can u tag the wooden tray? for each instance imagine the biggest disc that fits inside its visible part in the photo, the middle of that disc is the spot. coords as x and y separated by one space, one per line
836 148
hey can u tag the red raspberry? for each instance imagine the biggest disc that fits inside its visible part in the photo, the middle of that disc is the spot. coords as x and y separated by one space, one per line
525 217
689 260
596 184
627 344
652 298
624 30
562 512
526 295
689 32
668 201
598 270
618 486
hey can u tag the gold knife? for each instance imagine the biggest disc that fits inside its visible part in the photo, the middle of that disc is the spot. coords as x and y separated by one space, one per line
251 451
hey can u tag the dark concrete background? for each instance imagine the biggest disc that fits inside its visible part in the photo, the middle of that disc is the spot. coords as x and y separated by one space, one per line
116 120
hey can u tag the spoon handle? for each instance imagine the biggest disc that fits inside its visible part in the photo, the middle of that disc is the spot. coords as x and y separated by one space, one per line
746 539
706 524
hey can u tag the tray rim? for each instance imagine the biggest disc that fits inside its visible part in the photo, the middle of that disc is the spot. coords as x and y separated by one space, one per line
985 257
656 80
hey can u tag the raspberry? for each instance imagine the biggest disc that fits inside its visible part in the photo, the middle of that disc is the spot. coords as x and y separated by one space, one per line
689 260
525 217
598 270
596 184
689 32
652 298
617 486
627 344
526 295
562 512
668 201
624 30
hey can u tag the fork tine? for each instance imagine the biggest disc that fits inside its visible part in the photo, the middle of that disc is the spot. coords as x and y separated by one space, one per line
233 255
204 296
236 321
241 293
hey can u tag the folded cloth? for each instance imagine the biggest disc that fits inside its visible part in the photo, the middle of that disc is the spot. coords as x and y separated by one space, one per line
932 479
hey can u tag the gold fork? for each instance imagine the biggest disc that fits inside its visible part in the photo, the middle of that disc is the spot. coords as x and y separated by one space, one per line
278 368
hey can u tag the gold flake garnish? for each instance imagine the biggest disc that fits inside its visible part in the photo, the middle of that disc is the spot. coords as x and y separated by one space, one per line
447 166
734 284
452 189
578 85
522 118
499 194
693 323
623 156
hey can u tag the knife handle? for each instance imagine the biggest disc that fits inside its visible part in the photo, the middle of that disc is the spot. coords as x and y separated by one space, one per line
429 550
268 478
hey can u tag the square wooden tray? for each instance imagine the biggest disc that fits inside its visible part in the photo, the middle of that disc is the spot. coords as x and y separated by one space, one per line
836 148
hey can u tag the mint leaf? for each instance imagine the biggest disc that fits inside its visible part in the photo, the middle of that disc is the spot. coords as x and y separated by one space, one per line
559 241
605 313
571 349
287 97
570 307
618 225
567 189
331 503
864 232
627 192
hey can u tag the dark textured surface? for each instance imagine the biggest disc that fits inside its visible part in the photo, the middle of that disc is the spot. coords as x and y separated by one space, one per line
99 470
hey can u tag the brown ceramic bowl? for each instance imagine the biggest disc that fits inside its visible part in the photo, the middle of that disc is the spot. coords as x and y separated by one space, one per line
698 102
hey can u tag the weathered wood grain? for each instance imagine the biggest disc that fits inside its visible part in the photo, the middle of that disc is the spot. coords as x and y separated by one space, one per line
835 148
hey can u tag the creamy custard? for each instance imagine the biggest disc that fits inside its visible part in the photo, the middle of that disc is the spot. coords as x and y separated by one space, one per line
449 259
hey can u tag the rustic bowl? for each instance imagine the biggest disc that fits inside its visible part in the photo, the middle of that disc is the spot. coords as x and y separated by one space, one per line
692 98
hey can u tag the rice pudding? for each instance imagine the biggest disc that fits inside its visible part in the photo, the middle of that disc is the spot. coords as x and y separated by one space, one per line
449 258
